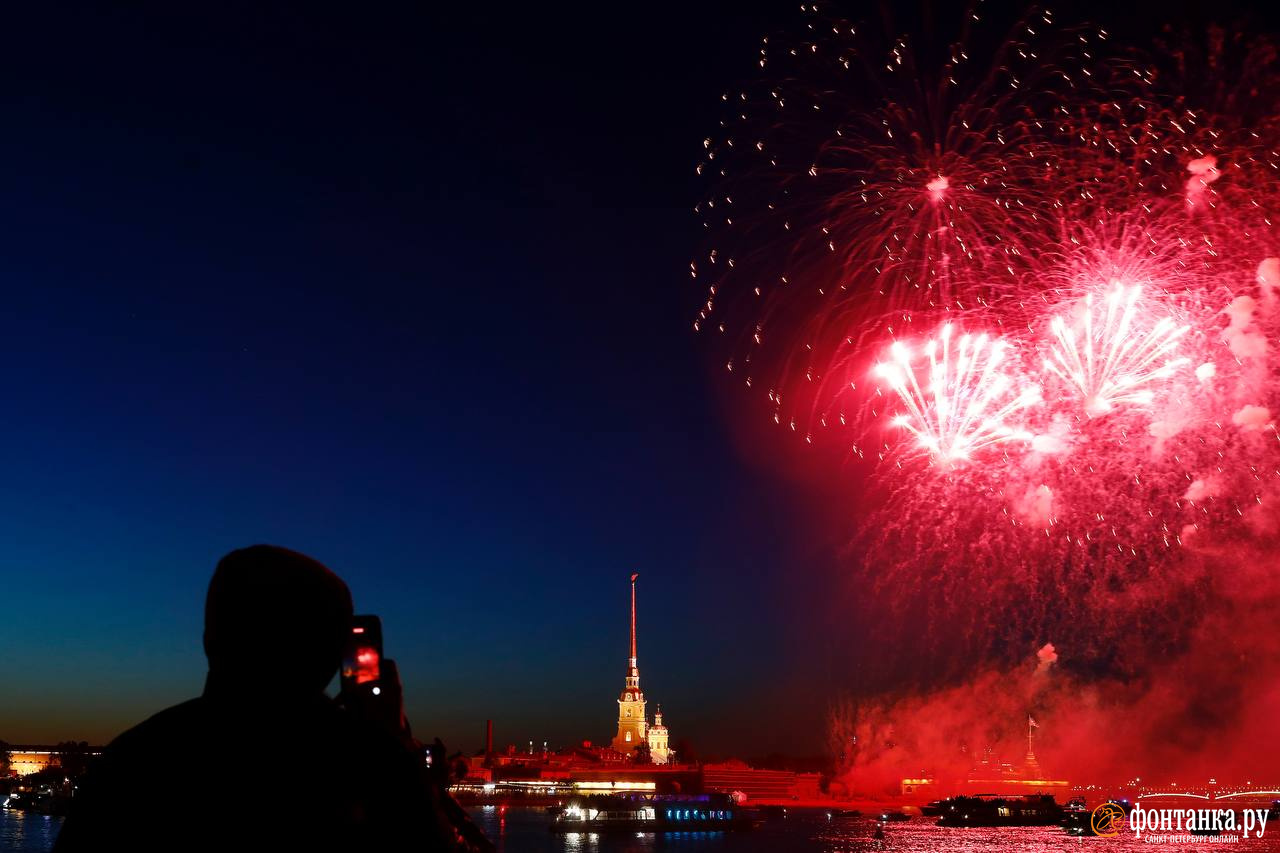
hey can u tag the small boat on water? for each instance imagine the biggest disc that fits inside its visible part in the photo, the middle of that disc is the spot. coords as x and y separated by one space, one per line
1001 810
37 803
1078 820
1079 824
651 813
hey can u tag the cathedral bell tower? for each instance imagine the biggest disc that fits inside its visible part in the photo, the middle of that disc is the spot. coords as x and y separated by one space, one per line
659 740
631 719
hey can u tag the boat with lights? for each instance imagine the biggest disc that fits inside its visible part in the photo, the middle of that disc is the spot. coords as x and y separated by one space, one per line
651 813
1001 810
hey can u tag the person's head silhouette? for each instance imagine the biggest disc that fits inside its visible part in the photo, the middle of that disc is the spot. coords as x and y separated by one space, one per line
275 621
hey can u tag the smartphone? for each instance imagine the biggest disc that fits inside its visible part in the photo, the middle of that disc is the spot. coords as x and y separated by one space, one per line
362 661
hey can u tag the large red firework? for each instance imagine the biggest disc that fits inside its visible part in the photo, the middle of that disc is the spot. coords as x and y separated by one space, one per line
1099 222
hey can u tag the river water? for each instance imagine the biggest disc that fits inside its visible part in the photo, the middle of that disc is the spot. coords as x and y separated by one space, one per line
517 830
525 831
27 833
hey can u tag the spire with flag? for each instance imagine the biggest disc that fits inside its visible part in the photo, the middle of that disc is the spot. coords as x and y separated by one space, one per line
633 618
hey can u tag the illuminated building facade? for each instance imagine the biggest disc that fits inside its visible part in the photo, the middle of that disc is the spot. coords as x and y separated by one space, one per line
631 719
991 774
26 760
633 726
659 741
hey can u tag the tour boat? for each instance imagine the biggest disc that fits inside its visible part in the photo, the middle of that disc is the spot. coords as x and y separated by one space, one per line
651 813
1001 810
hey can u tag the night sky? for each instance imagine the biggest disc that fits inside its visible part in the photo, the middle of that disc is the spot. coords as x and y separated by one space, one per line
405 290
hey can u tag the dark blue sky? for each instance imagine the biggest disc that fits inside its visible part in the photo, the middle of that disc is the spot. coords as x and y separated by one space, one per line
407 292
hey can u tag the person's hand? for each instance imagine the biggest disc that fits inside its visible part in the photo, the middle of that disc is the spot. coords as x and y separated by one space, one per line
439 762
382 703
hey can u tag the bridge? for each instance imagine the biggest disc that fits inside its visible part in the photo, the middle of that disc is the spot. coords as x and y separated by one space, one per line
1227 795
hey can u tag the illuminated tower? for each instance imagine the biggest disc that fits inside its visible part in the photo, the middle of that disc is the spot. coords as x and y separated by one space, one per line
1031 765
631 719
659 752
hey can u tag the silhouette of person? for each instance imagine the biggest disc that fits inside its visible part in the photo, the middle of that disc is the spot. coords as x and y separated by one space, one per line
264 760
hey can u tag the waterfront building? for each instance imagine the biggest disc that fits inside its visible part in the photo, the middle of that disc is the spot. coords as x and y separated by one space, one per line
545 777
991 775
659 742
26 760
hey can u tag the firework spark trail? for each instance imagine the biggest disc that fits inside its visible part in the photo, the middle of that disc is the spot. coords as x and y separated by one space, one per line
853 186
1110 360
967 401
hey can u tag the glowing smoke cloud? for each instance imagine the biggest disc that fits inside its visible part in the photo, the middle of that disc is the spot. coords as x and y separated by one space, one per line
1204 171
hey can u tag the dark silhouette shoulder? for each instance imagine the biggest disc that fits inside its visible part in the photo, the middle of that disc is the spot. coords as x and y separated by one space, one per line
208 775
263 760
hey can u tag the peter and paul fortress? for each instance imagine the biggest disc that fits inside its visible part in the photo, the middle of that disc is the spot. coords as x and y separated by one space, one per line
633 726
